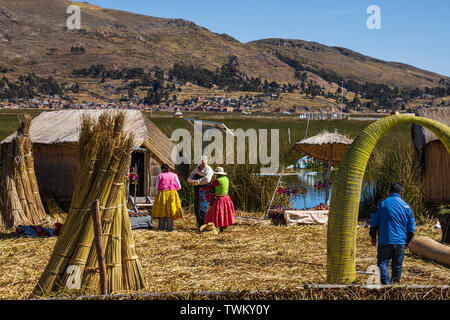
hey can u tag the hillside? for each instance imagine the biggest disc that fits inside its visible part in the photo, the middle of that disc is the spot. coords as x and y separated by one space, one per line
34 38
351 65
118 39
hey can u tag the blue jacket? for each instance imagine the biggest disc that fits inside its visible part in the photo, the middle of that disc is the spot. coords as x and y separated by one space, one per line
394 221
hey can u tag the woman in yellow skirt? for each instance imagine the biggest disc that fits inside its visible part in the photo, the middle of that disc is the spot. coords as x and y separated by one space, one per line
167 205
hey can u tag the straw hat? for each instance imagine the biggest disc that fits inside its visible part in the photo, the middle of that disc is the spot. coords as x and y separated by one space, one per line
220 171
209 228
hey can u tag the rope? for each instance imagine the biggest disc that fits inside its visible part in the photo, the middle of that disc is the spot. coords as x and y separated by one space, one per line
84 245
113 265
130 258
78 210
80 262
102 208
123 205
18 158
90 269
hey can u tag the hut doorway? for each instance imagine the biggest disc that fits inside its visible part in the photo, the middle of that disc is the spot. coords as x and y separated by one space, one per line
138 167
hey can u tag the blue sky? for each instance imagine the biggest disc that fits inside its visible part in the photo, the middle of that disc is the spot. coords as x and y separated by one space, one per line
412 32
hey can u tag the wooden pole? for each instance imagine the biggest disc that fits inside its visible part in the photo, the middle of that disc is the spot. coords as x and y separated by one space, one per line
95 208
327 182
306 132
135 183
273 195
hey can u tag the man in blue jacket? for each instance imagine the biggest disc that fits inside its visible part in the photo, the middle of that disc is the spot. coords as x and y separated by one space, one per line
394 223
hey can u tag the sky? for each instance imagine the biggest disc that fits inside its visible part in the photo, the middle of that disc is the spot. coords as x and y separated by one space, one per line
411 31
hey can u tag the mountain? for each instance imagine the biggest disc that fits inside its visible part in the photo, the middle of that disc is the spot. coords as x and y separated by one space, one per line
34 38
351 65
30 29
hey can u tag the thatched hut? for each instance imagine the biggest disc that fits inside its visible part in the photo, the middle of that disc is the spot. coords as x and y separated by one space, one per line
55 137
434 158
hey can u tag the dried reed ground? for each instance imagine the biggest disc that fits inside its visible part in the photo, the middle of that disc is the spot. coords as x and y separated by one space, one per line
250 255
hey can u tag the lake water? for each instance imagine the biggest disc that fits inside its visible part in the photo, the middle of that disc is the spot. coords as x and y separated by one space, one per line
314 196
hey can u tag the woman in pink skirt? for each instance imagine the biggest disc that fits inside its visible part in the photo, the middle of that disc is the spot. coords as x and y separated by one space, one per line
221 212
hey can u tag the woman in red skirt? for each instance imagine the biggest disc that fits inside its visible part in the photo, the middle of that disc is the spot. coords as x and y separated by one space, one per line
221 212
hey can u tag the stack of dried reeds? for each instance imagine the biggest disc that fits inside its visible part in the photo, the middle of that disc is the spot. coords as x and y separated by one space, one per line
105 154
53 207
20 202
55 213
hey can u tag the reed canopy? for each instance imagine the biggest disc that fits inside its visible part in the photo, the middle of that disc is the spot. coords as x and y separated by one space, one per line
324 144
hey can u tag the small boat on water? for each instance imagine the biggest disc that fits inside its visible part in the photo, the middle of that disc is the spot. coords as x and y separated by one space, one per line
303 162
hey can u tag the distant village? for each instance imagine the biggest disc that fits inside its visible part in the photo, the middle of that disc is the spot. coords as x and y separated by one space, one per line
245 105
195 104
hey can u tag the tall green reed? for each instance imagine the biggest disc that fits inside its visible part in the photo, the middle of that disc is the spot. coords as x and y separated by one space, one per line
396 162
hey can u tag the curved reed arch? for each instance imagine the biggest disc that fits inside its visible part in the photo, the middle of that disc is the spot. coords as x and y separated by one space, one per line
343 216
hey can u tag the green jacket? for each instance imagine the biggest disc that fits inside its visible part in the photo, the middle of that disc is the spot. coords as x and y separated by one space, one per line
222 189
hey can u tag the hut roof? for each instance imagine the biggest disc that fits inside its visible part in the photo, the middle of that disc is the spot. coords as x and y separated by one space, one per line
439 114
62 127
318 146
326 137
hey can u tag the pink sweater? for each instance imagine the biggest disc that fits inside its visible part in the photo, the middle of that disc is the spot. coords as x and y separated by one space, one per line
167 181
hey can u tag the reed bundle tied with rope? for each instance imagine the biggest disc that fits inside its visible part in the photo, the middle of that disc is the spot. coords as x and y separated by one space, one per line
105 155
20 201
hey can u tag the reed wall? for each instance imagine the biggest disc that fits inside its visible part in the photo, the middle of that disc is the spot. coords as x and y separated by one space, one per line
436 176
56 167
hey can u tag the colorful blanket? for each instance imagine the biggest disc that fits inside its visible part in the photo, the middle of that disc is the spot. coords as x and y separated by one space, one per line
39 231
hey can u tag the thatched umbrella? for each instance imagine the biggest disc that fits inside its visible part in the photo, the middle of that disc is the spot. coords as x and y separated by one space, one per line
326 146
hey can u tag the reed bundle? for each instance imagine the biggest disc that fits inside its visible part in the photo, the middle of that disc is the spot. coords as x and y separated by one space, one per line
345 198
105 155
53 207
20 201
